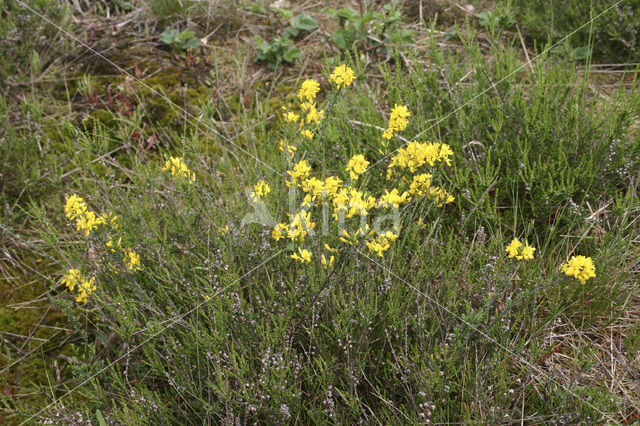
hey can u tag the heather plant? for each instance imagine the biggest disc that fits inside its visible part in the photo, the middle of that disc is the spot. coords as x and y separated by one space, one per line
614 37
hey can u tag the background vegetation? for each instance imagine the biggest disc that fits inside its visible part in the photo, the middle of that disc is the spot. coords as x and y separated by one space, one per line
221 325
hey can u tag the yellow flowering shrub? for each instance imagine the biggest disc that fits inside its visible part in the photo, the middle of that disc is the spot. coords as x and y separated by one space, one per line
393 198
327 262
291 117
440 196
262 189
410 168
307 133
381 243
296 230
417 155
74 207
349 202
420 184
312 114
308 115
87 221
353 238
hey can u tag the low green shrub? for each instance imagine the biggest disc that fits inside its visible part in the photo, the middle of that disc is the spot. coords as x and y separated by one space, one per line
227 320
614 37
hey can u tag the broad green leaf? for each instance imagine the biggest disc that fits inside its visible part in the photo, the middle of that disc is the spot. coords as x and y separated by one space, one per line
343 39
168 36
580 53
290 32
124 5
291 54
259 8
304 22
287 14
185 35
100 418
192 43
348 14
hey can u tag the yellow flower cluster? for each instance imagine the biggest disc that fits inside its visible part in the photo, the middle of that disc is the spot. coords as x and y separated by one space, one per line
131 260
393 198
296 230
439 196
310 114
291 149
86 220
398 121
308 90
74 280
414 157
381 243
300 171
304 256
291 117
342 76
418 154
76 209
349 201
179 170
353 238
580 267
420 184
357 166
319 191
109 244
327 262
519 251
307 134
260 189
